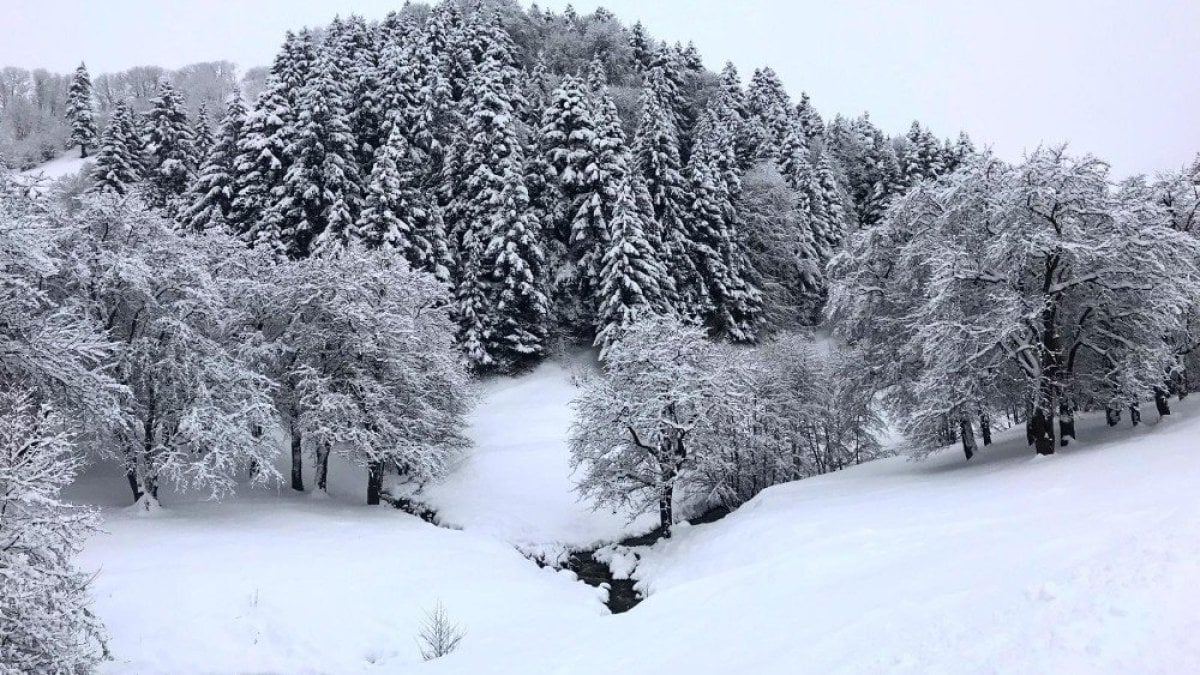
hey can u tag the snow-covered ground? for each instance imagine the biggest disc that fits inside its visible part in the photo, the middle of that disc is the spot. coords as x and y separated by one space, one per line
516 484
67 164
1087 561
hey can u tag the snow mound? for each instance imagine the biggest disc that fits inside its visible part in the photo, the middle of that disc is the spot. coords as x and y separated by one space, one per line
67 164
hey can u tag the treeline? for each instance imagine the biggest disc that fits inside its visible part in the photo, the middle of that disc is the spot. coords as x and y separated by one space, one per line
1028 292
564 174
41 112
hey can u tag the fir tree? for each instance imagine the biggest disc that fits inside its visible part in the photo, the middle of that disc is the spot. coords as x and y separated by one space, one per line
170 151
211 196
318 201
264 149
203 134
117 166
921 158
81 111
642 46
633 281
656 156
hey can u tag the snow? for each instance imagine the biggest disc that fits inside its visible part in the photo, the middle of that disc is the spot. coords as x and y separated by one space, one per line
1087 561
67 164
516 483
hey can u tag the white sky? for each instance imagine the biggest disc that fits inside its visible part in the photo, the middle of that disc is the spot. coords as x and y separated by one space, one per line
1119 78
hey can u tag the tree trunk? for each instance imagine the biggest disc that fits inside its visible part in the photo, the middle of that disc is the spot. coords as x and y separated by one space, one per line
968 436
82 151
374 482
322 466
1066 424
665 514
1135 414
131 476
297 461
1162 401
985 428
1112 415
1042 430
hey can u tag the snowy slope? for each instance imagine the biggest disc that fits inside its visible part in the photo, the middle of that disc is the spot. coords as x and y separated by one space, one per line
1088 561
68 164
515 483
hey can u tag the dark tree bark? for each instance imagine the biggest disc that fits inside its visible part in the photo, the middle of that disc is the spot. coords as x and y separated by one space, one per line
297 461
1042 426
1135 414
322 467
1162 401
985 428
665 514
374 482
968 437
1066 424
1112 415
131 476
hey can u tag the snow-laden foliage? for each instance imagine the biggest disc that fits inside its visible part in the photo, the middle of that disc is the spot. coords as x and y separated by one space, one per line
362 348
46 624
1036 285
190 403
81 111
788 413
640 428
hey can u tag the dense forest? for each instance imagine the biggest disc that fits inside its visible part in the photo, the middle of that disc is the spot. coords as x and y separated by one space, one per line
322 254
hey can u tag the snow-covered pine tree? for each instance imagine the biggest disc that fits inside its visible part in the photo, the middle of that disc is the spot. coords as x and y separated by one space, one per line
643 47
211 195
264 149
633 281
810 120
203 134
500 250
399 214
45 616
770 107
515 256
170 148
716 246
656 158
118 164
81 111
319 198
921 158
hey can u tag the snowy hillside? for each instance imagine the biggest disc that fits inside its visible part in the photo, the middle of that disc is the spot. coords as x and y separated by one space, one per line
1087 561
67 164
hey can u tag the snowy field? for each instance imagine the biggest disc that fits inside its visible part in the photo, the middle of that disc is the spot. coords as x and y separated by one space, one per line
1086 561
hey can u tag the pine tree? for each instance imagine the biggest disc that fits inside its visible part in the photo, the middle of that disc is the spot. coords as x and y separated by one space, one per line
656 156
81 111
500 306
768 104
398 214
211 195
642 46
264 149
203 134
117 167
921 158
810 120
170 149
319 199
713 230
633 281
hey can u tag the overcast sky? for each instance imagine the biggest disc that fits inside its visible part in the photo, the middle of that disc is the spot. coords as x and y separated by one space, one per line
1118 78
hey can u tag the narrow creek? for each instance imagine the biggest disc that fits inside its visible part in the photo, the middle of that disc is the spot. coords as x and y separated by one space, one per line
622 596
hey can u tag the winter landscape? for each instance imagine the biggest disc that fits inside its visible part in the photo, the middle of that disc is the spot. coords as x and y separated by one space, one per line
479 336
